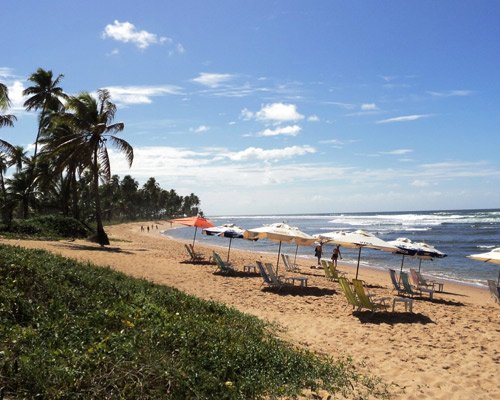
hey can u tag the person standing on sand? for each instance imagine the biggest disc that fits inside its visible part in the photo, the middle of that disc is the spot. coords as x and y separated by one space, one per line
318 252
336 254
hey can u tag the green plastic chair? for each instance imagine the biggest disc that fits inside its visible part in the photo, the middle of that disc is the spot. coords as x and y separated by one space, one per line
328 272
365 301
194 258
411 290
223 267
351 298
336 274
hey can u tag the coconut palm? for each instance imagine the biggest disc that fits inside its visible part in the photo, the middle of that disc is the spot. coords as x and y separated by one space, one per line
5 119
92 129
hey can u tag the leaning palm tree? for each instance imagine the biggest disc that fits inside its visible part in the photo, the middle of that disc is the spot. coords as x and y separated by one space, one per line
92 129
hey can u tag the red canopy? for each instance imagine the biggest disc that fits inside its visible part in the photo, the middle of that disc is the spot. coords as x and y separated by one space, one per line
193 221
197 222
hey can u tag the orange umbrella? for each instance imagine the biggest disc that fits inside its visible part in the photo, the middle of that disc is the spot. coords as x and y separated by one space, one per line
197 222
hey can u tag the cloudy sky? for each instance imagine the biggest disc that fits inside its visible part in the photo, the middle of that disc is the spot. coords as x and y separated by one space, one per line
264 107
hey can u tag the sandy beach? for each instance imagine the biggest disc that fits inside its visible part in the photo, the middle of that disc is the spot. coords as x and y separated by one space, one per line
446 349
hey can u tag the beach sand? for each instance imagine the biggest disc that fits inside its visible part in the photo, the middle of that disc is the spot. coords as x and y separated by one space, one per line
447 349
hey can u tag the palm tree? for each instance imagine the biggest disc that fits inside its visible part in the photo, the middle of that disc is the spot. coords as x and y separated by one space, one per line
5 119
45 96
92 130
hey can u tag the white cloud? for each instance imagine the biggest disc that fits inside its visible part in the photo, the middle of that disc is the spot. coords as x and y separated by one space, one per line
16 96
213 80
420 183
369 107
401 119
313 118
127 32
397 152
286 130
278 112
451 93
140 94
201 128
254 153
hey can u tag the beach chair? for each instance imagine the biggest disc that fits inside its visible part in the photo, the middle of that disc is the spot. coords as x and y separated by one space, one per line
494 291
223 267
289 266
335 272
293 267
278 280
267 279
194 257
419 281
369 303
414 291
328 272
395 283
351 298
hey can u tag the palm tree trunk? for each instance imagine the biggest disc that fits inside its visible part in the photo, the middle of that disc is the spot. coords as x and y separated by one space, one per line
102 238
74 189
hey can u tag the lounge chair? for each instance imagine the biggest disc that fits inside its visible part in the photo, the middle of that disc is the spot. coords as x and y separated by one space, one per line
351 298
414 291
335 272
373 305
289 266
494 291
223 267
395 283
194 257
273 282
328 272
280 279
420 282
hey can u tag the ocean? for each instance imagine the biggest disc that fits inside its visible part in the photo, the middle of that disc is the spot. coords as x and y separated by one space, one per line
457 233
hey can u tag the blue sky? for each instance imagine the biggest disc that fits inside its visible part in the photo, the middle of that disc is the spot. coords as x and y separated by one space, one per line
263 107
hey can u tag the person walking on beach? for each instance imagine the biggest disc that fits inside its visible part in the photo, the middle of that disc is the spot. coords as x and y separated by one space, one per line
318 252
336 254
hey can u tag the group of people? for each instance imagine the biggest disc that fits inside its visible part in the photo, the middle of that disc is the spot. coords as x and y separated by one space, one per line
318 252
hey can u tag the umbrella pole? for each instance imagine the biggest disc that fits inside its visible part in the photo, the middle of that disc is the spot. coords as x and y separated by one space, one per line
401 270
229 250
297 248
357 268
420 265
194 238
498 280
278 262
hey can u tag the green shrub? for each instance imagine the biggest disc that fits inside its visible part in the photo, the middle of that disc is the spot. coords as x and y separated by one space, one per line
76 331
49 226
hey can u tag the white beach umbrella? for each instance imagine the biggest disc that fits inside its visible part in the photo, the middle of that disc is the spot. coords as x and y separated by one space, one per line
280 232
357 239
492 256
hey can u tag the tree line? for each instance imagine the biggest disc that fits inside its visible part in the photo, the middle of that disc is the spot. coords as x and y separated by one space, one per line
69 172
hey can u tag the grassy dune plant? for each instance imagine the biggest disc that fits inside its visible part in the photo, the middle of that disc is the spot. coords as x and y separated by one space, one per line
77 331
47 227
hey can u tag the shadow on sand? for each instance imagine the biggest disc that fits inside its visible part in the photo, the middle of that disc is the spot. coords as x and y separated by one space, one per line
298 291
106 249
392 318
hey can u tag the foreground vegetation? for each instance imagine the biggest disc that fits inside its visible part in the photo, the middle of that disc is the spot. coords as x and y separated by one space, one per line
76 331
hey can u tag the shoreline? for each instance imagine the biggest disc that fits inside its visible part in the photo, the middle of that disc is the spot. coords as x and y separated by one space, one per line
363 265
446 349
